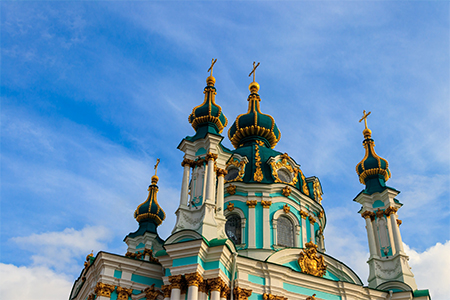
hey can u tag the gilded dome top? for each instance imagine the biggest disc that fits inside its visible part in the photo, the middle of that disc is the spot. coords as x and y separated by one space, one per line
254 125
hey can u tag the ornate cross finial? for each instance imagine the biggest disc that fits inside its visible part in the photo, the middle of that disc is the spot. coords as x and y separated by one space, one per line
253 71
156 166
365 118
213 61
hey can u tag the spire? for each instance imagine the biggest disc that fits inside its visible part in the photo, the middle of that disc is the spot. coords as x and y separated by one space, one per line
149 213
373 170
254 125
208 114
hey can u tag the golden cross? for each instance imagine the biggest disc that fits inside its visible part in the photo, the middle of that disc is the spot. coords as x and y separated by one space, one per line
253 71
156 166
365 118
213 61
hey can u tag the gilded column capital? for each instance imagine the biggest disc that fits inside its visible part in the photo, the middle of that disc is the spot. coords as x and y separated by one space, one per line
166 290
368 214
215 284
199 162
221 172
176 281
211 156
202 287
104 289
320 215
399 222
251 203
286 191
123 293
266 204
193 279
224 291
188 162
312 220
379 213
390 210
241 294
303 214
267 296
286 208
231 189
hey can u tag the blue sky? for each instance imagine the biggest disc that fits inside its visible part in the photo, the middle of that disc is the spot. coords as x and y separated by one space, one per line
94 92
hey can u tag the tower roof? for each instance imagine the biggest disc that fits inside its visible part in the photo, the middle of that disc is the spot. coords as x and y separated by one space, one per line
254 125
149 211
372 170
208 113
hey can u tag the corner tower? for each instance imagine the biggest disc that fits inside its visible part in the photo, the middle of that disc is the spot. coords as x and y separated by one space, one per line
388 263
204 162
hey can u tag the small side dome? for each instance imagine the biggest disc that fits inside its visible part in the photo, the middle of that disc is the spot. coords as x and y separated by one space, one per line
149 210
208 112
254 125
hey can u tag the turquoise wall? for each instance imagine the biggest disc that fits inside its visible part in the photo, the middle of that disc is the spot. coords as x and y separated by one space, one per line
146 280
257 279
305 291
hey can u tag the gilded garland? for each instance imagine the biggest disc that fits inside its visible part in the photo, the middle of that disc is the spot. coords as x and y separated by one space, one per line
310 263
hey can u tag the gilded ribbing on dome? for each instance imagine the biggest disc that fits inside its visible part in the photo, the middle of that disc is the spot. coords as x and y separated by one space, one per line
371 165
208 111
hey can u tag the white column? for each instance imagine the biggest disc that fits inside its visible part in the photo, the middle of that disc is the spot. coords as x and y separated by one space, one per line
185 183
266 224
175 294
304 236
215 295
251 224
192 292
311 223
297 236
397 236
210 181
370 236
391 235
220 191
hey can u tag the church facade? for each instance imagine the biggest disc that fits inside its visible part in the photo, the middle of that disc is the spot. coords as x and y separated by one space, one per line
250 225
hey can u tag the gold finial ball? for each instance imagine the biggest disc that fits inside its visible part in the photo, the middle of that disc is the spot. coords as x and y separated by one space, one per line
210 81
155 179
254 87
367 133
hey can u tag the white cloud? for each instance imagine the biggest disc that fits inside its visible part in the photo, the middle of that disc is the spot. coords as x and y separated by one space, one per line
63 251
33 283
431 269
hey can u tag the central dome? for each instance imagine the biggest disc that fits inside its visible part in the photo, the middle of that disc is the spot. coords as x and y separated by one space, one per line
254 125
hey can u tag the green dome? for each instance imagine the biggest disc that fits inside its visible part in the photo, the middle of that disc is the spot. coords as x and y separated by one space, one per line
254 125
372 166
208 113
149 210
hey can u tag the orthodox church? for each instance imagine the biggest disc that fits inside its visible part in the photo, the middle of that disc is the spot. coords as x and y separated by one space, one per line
250 225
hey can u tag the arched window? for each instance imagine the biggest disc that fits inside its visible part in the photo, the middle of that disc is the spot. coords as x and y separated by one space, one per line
233 228
285 232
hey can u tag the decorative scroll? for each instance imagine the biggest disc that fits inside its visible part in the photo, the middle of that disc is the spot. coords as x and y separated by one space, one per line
267 296
317 193
258 176
166 291
310 263
142 255
286 191
231 189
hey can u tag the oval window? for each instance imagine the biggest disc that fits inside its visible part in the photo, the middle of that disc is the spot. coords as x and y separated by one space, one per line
232 174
